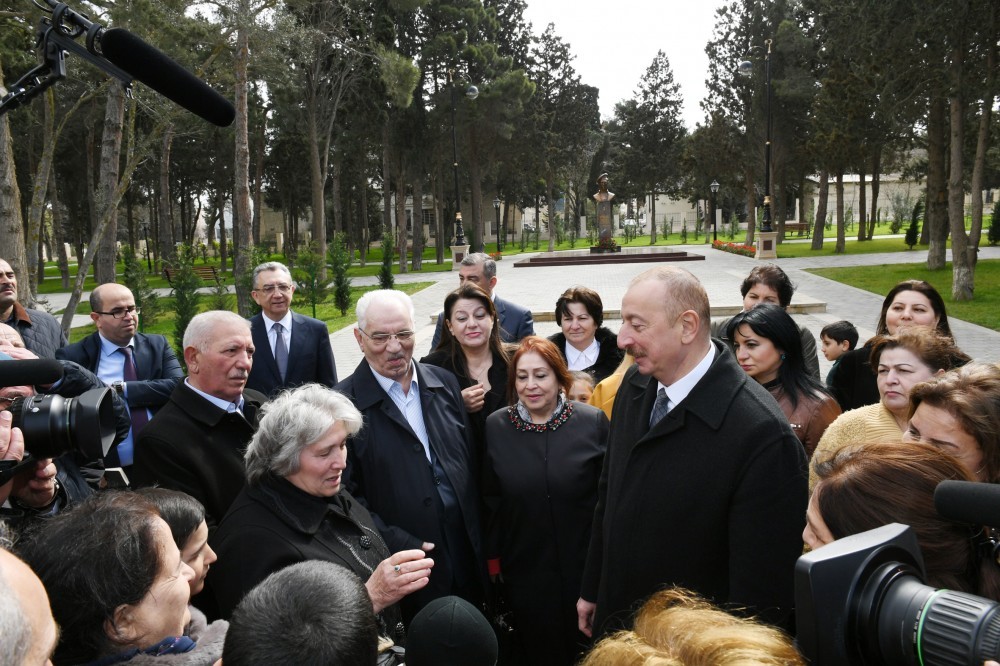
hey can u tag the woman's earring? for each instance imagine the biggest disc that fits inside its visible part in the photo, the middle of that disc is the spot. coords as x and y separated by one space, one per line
782 356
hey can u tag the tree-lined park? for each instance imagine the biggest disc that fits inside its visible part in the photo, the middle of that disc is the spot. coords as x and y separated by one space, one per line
345 109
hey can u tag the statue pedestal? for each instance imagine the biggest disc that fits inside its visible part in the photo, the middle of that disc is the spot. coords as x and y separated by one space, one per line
458 252
767 247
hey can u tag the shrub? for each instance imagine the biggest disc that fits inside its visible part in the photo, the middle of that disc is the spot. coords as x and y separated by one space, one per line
385 279
913 232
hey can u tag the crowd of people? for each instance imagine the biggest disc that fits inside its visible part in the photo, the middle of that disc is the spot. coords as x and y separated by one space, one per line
607 496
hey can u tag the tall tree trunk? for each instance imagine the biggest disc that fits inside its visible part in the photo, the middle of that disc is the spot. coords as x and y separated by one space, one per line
401 234
841 246
336 183
58 233
111 144
36 211
936 217
167 235
983 137
963 271
652 217
418 223
819 223
258 176
440 241
550 205
876 178
363 206
862 198
476 205
242 215
11 223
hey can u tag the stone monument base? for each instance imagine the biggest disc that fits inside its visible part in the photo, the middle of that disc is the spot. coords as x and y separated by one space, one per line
767 246
458 252
597 249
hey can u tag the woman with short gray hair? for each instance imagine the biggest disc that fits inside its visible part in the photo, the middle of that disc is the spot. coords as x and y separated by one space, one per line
294 509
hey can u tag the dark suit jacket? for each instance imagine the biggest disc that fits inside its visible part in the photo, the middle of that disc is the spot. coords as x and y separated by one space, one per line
388 472
193 446
515 322
712 498
310 356
156 366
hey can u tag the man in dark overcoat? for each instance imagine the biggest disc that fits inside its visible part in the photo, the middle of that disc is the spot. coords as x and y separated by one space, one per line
704 484
413 465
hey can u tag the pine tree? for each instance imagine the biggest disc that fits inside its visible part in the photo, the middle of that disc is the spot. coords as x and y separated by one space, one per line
385 279
913 232
340 261
146 299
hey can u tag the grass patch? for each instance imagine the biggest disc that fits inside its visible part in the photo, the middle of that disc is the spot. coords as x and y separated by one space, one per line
984 310
874 246
326 312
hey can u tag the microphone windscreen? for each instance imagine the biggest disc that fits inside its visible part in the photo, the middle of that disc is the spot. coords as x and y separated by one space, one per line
158 71
30 372
968 502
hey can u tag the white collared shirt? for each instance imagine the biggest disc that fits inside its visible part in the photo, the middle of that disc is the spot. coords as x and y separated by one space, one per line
680 389
224 405
581 360
408 404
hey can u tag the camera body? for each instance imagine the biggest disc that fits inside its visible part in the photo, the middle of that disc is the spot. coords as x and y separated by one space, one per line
861 600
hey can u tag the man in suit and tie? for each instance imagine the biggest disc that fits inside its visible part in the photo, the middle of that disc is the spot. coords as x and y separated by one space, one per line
515 321
141 368
704 484
292 349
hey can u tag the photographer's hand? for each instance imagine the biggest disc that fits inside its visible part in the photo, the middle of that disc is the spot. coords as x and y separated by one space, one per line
37 488
11 446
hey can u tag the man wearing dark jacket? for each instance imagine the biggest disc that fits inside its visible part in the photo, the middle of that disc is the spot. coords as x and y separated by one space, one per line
195 443
40 330
412 465
704 484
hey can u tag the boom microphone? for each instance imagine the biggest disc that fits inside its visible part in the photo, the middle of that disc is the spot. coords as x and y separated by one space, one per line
968 502
30 372
162 74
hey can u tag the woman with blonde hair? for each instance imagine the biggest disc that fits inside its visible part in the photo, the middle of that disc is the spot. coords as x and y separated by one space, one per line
677 628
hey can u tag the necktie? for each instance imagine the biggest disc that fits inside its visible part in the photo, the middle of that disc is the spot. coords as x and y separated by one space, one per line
138 414
660 407
280 350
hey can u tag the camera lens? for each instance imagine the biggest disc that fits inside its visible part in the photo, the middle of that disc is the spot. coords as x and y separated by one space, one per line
53 425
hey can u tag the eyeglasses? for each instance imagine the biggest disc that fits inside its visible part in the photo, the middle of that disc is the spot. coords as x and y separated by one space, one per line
269 288
382 339
119 313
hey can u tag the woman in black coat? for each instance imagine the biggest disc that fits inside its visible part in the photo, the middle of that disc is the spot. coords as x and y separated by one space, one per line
542 462
294 509
585 344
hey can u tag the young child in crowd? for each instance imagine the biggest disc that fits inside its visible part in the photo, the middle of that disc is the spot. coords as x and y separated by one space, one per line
835 340
583 386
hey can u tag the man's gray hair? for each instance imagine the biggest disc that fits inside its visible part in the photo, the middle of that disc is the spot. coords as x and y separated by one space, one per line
382 297
203 327
270 266
481 259
15 630
290 423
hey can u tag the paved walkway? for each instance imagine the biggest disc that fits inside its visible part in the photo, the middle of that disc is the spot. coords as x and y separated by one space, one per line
721 273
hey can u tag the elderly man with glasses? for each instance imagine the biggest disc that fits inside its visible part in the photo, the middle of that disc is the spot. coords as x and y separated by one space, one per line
413 465
141 368
292 349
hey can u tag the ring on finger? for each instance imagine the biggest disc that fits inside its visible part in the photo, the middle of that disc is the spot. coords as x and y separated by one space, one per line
397 568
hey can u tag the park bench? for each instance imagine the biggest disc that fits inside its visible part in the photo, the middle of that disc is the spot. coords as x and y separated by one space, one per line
206 273
798 227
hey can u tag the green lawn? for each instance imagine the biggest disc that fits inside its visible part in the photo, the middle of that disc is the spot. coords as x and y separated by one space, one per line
326 312
984 310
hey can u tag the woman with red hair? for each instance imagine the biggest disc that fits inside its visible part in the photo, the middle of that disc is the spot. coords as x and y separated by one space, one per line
542 461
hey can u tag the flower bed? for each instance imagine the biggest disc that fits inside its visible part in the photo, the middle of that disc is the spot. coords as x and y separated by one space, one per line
496 256
735 248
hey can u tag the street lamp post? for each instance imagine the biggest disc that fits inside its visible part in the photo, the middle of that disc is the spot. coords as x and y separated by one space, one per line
746 69
500 238
472 93
715 216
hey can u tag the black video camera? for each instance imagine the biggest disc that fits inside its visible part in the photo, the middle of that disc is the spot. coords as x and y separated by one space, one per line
52 424
862 600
